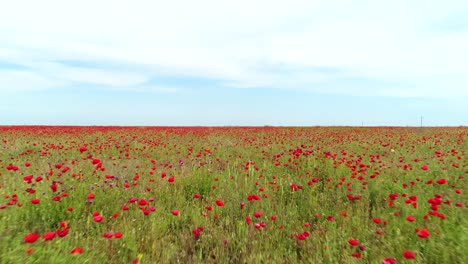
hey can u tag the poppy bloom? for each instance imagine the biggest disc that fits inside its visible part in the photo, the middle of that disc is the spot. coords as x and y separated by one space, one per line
242 204
441 181
425 167
142 202
410 219
409 254
219 203
76 250
389 261
49 236
28 178
118 234
35 201
423 233
258 214
353 242
98 218
62 232
31 238
175 212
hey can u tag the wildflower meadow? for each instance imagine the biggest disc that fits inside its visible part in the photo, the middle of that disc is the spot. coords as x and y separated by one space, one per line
233 195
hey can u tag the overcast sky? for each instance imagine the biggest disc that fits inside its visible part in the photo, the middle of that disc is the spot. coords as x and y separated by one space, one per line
234 62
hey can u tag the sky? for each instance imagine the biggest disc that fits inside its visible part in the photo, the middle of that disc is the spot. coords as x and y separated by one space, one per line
231 63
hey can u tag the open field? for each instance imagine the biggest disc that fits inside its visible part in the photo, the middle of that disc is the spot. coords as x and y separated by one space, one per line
233 195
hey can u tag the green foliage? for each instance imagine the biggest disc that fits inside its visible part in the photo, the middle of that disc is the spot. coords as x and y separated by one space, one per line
329 183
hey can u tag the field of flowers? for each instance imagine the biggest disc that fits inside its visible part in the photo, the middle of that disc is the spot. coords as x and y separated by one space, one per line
233 195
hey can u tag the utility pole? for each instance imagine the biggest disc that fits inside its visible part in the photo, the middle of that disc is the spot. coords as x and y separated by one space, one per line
421 120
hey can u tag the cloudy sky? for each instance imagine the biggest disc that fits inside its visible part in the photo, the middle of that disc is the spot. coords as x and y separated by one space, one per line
215 62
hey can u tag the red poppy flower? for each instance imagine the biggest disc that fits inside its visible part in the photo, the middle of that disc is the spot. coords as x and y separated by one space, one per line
62 232
353 242
76 250
28 178
98 218
31 238
423 233
49 236
442 181
108 235
409 254
389 261
248 220
219 203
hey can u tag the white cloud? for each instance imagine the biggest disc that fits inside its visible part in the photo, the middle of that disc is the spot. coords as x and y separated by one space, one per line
23 81
232 41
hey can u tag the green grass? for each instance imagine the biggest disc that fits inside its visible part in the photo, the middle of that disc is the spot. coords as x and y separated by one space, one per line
229 164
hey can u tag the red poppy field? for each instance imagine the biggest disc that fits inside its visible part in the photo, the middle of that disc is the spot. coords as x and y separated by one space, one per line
233 195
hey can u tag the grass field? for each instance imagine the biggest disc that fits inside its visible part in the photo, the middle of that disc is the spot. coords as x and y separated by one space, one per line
233 195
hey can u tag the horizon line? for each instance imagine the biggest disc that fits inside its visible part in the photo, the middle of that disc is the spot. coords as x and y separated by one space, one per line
236 126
